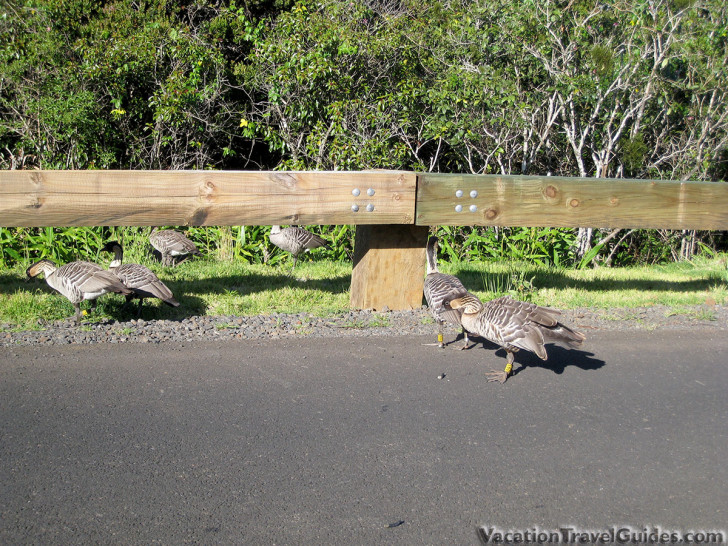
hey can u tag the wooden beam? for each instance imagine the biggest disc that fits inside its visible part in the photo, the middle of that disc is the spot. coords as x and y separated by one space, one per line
570 202
389 267
204 198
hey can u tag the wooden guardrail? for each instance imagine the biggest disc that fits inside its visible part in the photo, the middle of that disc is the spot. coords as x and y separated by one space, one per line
492 200
391 209
205 198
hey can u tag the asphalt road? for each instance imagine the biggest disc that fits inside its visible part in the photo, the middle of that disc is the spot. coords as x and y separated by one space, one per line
357 441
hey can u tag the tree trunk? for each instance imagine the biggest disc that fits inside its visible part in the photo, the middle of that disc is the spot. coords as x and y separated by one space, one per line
583 241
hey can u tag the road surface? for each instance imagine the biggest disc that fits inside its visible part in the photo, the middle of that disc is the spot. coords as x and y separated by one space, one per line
360 440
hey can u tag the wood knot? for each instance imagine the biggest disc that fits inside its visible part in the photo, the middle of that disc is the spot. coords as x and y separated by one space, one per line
491 214
36 178
396 196
286 180
614 201
574 203
550 191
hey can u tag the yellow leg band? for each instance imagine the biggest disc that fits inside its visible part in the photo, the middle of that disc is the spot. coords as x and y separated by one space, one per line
439 338
508 369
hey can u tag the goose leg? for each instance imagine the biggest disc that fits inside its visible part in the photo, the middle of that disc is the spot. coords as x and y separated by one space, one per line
77 316
440 338
466 340
139 309
501 377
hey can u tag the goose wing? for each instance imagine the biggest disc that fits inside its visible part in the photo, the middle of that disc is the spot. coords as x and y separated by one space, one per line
311 240
84 280
515 324
172 242
143 281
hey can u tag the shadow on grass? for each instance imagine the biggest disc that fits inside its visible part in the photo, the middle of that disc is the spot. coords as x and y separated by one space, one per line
243 283
186 291
251 283
11 283
556 279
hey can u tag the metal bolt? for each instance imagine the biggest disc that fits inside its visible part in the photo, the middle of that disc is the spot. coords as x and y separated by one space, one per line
355 208
474 194
370 192
370 207
473 208
355 192
459 193
458 208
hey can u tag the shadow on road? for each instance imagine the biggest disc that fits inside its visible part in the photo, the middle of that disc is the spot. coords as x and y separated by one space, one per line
559 358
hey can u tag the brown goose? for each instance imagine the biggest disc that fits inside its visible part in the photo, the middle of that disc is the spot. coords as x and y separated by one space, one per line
514 325
141 280
296 240
440 288
78 281
170 244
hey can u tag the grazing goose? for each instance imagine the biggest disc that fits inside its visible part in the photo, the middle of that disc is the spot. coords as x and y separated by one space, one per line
172 243
78 281
514 325
439 288
296 240
141 280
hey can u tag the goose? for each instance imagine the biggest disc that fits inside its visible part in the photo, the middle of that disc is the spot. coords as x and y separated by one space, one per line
138 278
439 288
514 325
172 243
296 240
78 281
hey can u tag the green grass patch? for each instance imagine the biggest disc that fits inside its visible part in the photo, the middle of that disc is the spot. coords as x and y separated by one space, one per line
321 288
686 283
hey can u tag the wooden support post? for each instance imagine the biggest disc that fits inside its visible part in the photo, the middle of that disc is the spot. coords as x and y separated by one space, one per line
389 267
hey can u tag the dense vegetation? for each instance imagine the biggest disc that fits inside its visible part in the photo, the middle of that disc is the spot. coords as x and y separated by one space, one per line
580 88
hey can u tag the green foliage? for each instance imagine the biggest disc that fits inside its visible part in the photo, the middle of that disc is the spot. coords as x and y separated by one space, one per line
636 89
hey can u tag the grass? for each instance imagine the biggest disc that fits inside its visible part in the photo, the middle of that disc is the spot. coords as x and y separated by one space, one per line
209 287
677 284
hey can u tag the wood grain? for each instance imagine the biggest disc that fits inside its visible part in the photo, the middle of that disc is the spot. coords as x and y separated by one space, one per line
389 267
203 198
571 202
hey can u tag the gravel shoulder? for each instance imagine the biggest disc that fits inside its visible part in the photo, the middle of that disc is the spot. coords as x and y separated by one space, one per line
360 323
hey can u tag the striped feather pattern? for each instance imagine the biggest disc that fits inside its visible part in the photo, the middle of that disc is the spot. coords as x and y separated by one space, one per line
171 243
440 288
138 278
78 281
144 283
296 240
515 325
